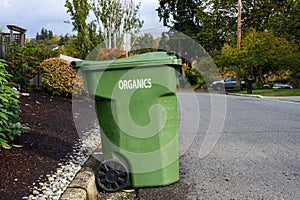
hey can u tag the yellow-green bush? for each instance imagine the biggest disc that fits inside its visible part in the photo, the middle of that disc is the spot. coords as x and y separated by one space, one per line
59 77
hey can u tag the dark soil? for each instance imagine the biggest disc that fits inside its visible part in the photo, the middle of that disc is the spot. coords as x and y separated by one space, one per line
51 137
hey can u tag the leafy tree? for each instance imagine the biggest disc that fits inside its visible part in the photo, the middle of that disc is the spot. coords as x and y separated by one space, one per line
108 16
164 41
143 44
180 15
206 21
113 18
199 68
116 18
67 45
262 55
286 23
24 62
79 11
144 41
295 73
212 21
63 40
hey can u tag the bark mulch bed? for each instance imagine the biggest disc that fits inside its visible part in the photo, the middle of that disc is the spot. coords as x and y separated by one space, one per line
51 137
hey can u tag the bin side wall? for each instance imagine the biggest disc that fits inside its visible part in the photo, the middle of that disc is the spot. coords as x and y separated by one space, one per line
137 112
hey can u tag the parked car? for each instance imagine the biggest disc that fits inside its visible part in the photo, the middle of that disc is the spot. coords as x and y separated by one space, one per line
282 86
266 86
227 83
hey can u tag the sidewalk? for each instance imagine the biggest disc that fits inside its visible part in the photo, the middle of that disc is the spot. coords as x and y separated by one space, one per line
295 99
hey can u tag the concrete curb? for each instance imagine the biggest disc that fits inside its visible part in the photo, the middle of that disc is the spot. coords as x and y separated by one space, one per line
246 95
291 99
83 186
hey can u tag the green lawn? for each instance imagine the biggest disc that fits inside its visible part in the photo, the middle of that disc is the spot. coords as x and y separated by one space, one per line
274 92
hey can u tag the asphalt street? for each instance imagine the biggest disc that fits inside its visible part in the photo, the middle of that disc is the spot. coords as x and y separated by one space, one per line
254 156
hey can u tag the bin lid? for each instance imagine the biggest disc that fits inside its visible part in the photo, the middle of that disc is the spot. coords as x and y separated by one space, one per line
141 60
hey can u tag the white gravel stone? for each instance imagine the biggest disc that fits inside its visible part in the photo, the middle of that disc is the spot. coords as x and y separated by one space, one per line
58 181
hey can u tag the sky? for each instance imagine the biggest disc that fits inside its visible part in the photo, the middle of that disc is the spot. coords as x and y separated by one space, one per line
33 15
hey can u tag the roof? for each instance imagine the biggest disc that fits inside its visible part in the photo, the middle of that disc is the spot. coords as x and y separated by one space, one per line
16 28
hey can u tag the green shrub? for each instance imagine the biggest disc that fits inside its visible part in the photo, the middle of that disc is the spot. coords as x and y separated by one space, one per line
257 86
24 62
9 108
237 88
58 77
195 79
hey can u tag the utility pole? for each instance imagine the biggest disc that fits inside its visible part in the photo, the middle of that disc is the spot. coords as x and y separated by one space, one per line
239 30
239 33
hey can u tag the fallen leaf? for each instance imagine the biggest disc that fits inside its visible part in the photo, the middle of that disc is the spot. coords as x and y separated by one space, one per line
6 146
17 146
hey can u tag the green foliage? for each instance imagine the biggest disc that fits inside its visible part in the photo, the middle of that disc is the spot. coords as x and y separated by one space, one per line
9 107
145 41
164 41
212 21
180 15
24 62
63 40
88 34
59 77
112 19
45 34
262 54
285 21
195 79
116 17
270 37
143 44
208 21
79 11
67 46
237 88
47 38
257 86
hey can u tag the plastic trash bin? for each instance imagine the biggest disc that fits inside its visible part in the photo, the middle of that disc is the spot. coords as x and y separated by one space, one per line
137 110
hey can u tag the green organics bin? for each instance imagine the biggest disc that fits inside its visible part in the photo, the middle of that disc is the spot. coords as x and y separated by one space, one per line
76 65
137 110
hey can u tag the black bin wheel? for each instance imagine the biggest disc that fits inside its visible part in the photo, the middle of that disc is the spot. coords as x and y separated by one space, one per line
112 175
